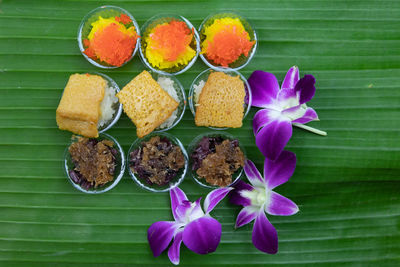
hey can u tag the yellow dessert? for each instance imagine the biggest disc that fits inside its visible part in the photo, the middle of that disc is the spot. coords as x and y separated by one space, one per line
221 102
146 103
79 108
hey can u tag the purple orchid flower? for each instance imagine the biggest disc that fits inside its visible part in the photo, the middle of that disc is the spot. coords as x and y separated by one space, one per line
198 230
282 108
259 198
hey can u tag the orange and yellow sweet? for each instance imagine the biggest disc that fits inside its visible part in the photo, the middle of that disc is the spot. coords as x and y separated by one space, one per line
168 45
226 40
111 40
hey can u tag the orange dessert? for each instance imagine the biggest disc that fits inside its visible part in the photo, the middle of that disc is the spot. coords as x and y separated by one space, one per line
111 40
225 41
168 45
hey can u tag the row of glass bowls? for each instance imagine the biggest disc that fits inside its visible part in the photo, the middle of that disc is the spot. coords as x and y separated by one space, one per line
203 76
122 162
116 11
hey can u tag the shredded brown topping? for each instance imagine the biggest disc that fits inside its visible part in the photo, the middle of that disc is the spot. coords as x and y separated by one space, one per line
217 167
94 161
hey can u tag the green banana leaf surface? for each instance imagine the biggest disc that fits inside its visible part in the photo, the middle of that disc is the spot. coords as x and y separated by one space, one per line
347 184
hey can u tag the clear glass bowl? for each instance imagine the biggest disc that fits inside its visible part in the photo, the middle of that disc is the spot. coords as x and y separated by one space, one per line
194 144
117 107
153 22
85 27
119 170
242 61
180 91
203 76
153 187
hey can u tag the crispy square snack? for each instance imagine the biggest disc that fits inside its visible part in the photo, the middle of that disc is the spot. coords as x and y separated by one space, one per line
79 108
221 102
146 103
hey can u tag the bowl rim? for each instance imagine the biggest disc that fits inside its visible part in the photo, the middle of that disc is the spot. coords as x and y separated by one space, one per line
92 12
191 148
184 102
254 49
190 26
225 70
175 141
116 180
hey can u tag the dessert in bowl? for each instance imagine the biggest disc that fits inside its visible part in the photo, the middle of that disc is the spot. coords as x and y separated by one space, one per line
169 45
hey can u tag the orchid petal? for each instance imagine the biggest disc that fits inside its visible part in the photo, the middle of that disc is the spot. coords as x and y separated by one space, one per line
279 171
160 235
253 174
246 215
264 88
236 198
177 197
264 117
306 87
174 250
196 211
272 139
202 235
214 197
291 78
280 205
295 112
264 237
309 115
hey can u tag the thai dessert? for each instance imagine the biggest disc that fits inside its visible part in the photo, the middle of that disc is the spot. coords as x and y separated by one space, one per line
111 41
169 45
157 161
88 103
147 104
220 101
225 41
94 162
216 159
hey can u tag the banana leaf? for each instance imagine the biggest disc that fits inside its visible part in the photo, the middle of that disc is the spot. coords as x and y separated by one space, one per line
346 184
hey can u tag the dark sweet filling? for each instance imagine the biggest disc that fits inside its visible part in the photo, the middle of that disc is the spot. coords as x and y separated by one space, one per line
94 162
157 161
216 159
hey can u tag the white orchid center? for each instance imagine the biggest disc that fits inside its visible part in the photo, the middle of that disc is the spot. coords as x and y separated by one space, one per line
289 103
258 197
193 213
298 113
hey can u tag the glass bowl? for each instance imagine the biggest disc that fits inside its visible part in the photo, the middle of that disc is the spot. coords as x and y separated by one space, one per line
192 147
203 76
242 61
153 22
153 187
180 92
85 27
119 170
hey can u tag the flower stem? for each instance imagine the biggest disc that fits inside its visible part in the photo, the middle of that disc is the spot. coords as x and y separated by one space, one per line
311 129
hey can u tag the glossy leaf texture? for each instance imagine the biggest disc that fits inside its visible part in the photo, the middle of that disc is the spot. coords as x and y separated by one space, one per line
346 184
